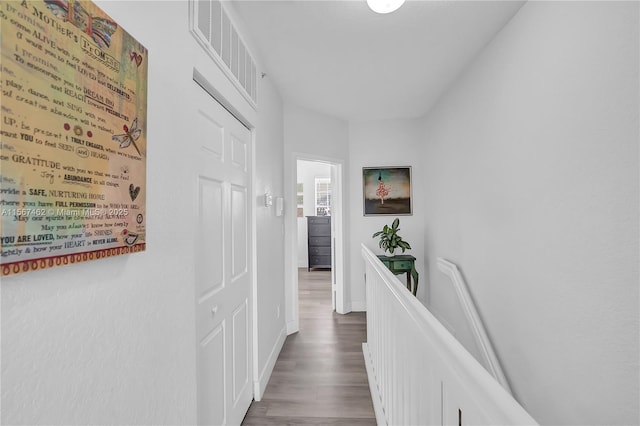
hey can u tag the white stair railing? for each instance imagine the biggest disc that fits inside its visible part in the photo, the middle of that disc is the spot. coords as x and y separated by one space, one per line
419 373
478 331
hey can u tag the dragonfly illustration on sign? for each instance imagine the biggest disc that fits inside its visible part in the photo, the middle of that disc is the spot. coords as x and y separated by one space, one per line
130 136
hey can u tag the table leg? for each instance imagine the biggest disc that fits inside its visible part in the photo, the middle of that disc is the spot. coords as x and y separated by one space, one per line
414 274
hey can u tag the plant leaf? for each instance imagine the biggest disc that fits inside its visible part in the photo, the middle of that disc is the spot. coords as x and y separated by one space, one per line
395 224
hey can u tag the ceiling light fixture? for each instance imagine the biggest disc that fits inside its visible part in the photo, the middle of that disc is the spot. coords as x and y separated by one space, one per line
384 6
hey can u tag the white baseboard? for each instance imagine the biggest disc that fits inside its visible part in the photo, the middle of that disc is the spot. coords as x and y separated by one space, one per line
265 374
358 306
292 327
373 387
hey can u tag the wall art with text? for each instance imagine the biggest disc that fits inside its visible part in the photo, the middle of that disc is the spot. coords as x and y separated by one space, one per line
73 136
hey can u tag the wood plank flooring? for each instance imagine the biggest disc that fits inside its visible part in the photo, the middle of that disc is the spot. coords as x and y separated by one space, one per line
320 377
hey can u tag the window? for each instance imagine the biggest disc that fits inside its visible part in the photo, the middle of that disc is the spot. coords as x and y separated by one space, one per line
300 200
323 197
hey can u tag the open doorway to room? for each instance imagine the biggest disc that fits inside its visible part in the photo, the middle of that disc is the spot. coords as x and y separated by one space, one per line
314 243
316 261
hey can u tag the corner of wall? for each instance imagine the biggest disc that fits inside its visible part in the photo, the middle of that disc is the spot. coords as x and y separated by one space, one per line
358 306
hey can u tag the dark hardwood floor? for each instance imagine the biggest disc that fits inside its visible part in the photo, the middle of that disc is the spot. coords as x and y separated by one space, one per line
320 377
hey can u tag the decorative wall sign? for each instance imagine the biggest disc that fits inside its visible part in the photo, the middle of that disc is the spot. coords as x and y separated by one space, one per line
386 190
73 135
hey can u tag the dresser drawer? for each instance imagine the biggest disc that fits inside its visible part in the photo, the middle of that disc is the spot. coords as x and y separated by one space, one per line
401 264
320 230
326 251
320 241
320 261
319 220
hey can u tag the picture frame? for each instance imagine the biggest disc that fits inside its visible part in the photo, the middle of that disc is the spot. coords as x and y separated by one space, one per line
387 191
77 178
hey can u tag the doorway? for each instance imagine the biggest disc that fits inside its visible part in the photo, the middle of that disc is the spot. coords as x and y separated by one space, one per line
313 208
317 194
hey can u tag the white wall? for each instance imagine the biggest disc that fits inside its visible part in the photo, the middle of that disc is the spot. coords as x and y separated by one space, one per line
307 173
531 187
383 143
270 230
113 340
313 136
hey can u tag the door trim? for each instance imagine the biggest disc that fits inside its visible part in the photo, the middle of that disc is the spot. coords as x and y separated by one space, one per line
209 88
206 85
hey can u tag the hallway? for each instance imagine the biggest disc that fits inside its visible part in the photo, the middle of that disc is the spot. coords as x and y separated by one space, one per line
320 377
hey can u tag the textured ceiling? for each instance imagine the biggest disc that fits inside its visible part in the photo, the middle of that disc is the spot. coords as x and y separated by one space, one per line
342 59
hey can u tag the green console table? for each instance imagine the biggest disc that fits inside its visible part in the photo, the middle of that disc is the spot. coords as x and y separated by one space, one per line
400 264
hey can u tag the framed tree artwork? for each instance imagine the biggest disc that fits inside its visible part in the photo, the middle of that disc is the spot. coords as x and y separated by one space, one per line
387 191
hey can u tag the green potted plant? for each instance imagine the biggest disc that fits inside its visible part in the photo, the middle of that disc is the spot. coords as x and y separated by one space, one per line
389 238
389 242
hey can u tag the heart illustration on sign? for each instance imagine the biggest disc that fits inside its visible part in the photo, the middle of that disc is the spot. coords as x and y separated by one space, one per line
133 192
136 57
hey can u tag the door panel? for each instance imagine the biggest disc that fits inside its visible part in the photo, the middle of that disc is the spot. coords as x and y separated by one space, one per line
221 154
210 236
211 390
240 351
239 230
208 125
239 153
